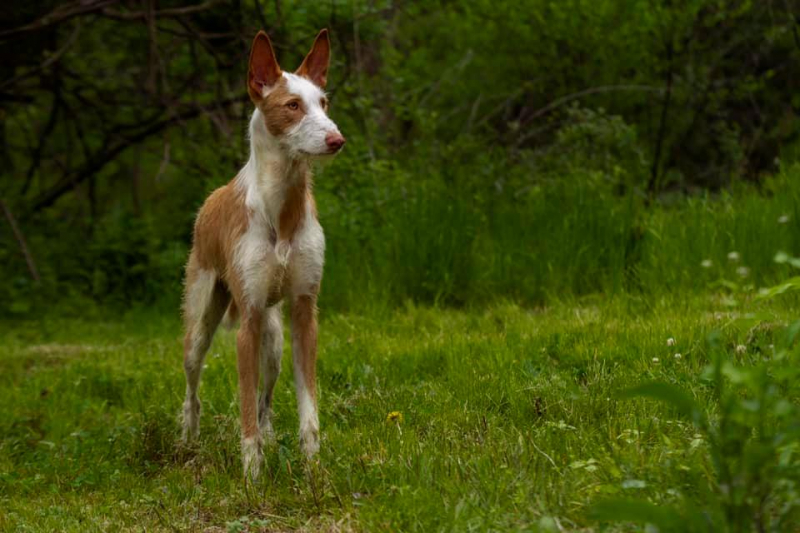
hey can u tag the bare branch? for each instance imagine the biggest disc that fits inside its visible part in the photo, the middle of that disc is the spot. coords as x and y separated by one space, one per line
23 246
49 61
36 158
173 12
110 152
558 102
59 15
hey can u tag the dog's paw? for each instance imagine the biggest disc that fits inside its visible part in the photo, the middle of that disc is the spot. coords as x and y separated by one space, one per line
252 457
309 441
190 420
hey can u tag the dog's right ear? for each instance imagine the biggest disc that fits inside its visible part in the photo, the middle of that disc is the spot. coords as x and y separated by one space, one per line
264 71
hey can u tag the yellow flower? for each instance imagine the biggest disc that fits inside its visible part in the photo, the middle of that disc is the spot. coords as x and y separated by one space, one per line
394 416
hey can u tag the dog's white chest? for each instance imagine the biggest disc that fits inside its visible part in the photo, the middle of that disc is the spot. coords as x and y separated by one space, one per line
273 269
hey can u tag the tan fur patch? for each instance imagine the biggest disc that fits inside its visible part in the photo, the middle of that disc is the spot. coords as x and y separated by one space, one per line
293 209
278 116
304 327
222 221
248 343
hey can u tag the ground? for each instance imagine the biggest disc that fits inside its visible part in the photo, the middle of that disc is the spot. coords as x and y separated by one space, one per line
501 419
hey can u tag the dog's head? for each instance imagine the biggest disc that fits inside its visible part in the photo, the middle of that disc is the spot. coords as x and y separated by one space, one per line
294 106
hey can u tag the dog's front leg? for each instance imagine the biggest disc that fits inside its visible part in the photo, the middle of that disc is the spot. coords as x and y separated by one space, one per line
304 355
248 346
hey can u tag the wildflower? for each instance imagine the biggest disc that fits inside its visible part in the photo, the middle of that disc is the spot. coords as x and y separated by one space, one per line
394 416
706 263
560 425
741 349
743 271
656 360
783 219
733 256
678 357
670 342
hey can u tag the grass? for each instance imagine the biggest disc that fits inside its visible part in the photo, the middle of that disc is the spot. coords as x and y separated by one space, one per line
441 415
509 420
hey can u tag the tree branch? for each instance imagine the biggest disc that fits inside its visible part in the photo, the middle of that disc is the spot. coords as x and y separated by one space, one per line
173 12
23 246
49 61
110 153
59 15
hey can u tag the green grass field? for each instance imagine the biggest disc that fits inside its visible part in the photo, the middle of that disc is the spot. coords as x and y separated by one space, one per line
510 419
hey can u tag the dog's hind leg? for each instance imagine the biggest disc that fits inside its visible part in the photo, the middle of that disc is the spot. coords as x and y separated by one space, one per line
271 352
205 301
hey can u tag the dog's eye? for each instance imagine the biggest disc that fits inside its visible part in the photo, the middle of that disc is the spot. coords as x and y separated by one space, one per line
324 103
294 106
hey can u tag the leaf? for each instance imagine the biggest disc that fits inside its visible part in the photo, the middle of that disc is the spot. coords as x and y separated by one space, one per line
751 320
791 333
619 510
675 396
771 292
634 484
738 375
783 258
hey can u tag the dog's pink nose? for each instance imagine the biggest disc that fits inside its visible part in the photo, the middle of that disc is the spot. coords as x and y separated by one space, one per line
335 141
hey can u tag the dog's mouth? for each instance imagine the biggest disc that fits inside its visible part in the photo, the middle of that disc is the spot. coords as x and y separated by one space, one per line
329 153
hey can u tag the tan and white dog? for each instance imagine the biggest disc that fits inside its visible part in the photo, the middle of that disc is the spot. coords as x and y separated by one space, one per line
257 241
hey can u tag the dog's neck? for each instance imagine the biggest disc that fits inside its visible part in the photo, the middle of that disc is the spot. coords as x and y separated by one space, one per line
271 177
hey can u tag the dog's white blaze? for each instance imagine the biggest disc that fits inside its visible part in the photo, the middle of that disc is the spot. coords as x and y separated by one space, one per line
304 88
309 134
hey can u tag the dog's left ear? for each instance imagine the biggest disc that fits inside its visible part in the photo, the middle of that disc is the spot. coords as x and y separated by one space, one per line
264 71
315 65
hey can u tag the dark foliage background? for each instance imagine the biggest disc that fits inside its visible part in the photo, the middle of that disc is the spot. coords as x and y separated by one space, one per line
526 150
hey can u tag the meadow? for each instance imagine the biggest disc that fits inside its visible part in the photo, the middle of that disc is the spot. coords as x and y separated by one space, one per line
560 290
496 416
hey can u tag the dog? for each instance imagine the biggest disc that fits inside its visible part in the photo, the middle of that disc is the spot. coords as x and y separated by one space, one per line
257 241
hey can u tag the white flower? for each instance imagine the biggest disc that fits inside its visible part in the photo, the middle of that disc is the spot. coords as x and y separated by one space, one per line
741 349
670 342
783 219
678 357
706 263
656 360
733 256
743 271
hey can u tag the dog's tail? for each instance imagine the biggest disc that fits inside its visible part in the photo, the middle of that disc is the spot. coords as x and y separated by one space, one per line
231 316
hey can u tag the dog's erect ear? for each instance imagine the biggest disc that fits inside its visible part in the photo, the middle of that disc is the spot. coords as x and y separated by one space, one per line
315 65
264 70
